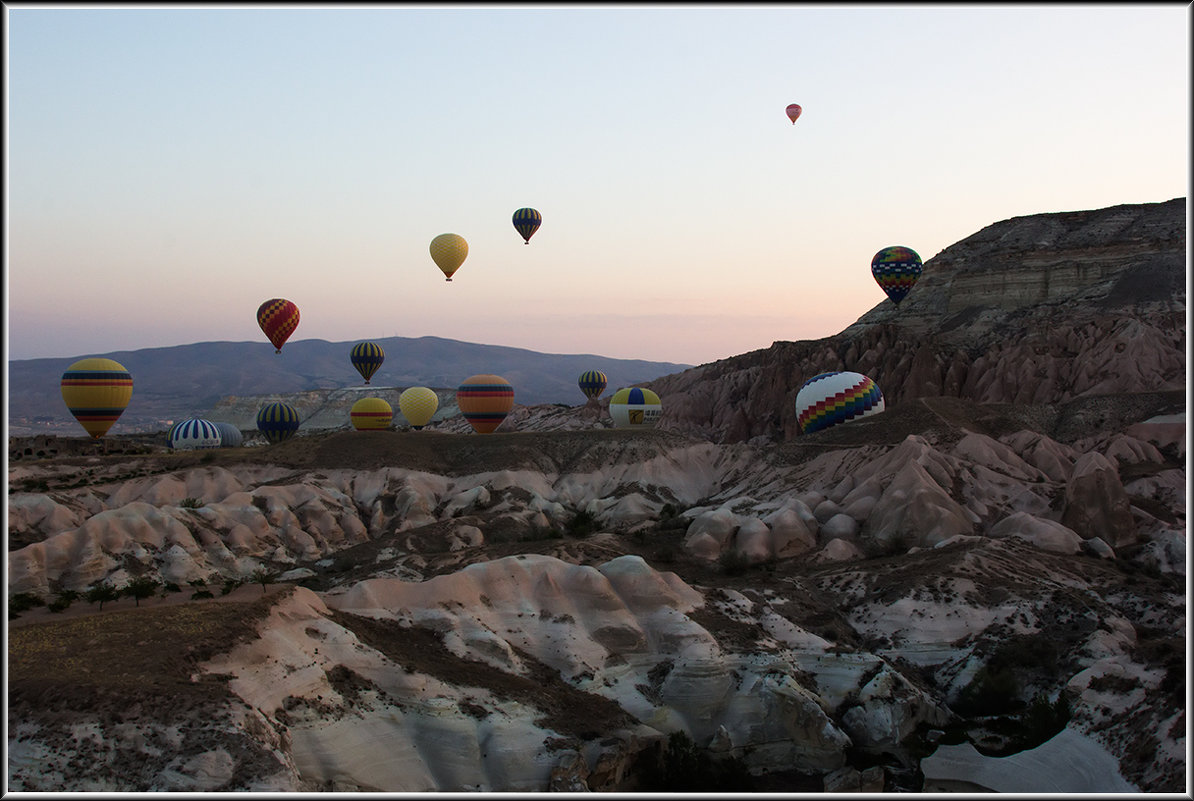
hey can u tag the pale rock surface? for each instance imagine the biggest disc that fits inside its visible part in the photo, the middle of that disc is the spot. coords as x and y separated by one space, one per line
1044 534
1096 504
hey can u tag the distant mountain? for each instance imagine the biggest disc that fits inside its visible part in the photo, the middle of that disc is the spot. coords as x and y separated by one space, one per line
187 380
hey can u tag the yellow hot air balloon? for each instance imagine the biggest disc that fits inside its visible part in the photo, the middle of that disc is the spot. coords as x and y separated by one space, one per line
485 400
418 405
449 251
96 392
370 414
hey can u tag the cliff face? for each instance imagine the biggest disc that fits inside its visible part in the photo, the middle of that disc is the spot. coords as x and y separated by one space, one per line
1032 310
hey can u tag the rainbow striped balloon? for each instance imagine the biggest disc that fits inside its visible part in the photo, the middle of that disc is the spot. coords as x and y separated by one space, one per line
592 383
635 407
831 398
485 400
371 414
96 392
278 421
896 270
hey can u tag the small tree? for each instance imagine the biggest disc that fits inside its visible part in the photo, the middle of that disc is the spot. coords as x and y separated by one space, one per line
140 587
101 591
262 576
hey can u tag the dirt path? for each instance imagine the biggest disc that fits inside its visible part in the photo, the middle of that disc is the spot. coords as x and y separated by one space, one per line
81 608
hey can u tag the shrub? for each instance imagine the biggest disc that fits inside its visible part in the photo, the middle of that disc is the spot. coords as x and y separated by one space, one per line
58 604
733 562
101 591
140 587
197 594
191 503
24 601
582 524
686 768
229 586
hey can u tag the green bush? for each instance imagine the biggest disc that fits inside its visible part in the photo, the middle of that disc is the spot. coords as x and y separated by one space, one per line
191 503
58 604
24 601
686 768
582 524
197 594
733 562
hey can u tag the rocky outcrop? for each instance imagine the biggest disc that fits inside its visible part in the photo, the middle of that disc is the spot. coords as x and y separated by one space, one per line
1032 310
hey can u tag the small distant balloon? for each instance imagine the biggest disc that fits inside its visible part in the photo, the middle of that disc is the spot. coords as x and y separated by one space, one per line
635 407
527 222
371 414
278 318
96 392
592 383
449 251
485 400
794 112
418 405
831 398
278 421
195 434
367 357
896 269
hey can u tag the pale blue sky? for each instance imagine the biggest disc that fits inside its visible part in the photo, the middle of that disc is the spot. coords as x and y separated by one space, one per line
169 169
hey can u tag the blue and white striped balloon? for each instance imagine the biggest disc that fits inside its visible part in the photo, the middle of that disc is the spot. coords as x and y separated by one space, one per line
194 434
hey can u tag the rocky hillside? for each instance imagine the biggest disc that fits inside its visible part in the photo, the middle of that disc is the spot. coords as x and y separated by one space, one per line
1031 310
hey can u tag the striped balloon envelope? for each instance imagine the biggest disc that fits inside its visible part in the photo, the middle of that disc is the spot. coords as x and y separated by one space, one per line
367 357
194 434
278 318
278 421
831 398
371 414
635 407
896 270
485 400
527 222
418 405
592 383
96 392
230 435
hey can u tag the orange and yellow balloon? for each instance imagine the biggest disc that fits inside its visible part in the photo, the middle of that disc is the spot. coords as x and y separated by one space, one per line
485 400
278 318
96 392
449 251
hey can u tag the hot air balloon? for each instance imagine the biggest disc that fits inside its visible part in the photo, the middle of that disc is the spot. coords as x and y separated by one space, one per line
831 398
592 383
485 400
278 318
418 405
194 434
896 269
278 421
526 222
371 414
367 357
794 112
96 392
230 435
449 251
635 407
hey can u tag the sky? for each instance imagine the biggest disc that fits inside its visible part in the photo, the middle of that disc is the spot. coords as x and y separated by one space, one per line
169 169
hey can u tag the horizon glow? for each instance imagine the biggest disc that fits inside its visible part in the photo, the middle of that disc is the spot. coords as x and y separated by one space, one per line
171 168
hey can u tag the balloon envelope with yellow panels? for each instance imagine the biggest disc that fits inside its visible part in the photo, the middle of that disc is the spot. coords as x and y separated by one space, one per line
371 414
278 421
896 269
367 357
418 405
278 318
592 383
527 222
96 392
449 251
485 400
635 407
